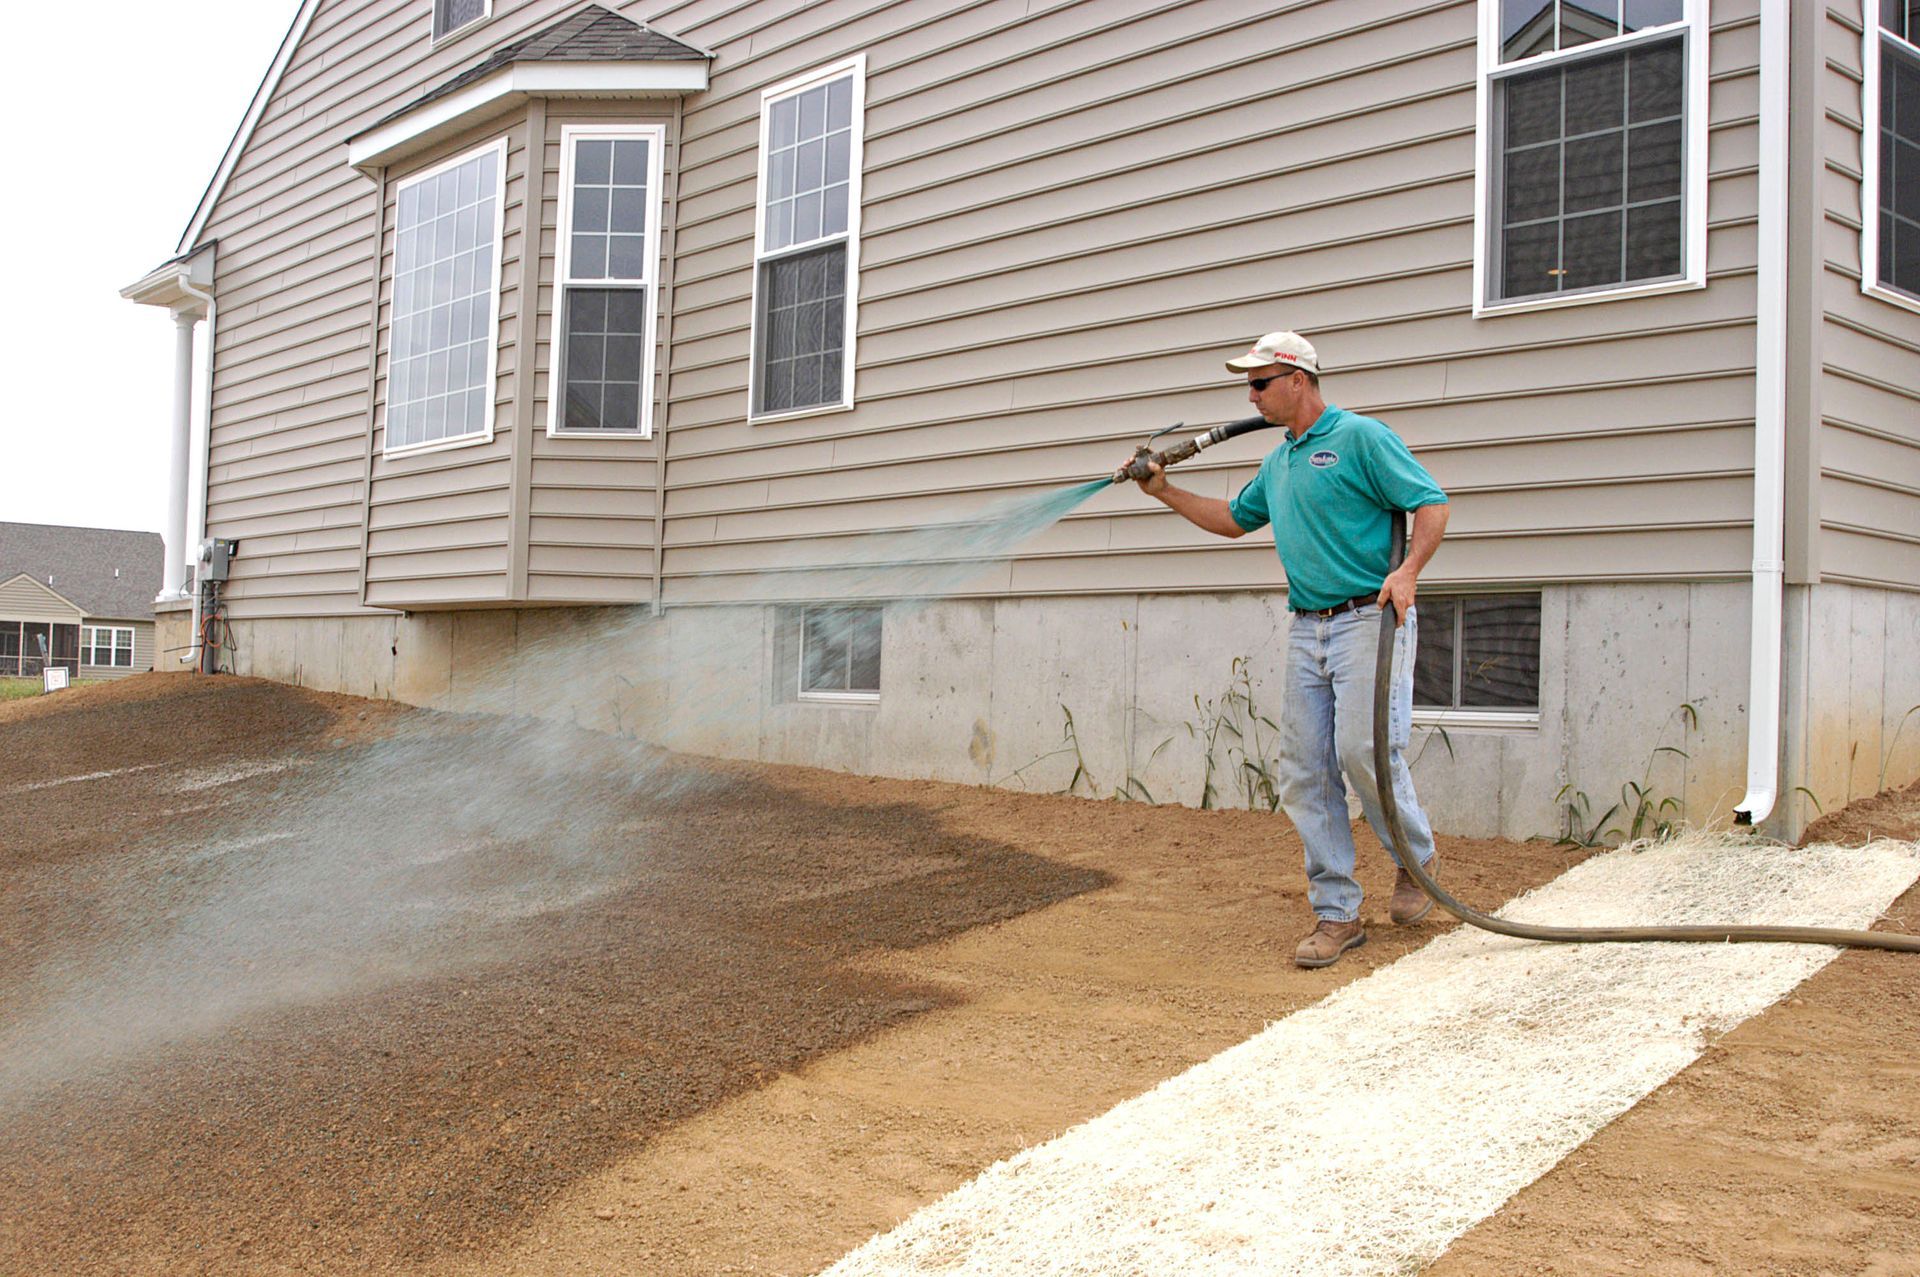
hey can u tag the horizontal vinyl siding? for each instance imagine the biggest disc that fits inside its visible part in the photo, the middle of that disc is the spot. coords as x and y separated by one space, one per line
1071 215
23 600
144 656
295 281
591 502
1869 441
411 540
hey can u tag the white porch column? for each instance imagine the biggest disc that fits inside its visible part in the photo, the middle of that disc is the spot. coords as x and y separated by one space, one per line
173 582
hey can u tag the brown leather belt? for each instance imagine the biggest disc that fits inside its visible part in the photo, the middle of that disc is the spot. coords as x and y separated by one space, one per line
1358 600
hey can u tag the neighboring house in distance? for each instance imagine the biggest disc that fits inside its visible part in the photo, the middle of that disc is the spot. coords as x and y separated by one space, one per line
76 597
525 309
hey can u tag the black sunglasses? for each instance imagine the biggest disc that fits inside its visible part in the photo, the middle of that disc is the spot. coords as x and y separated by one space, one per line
1258 384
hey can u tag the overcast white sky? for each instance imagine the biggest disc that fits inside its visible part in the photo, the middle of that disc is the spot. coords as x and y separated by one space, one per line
121 110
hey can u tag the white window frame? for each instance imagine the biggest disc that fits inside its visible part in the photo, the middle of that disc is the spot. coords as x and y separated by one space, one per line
805 693
88 646
1693 241
1491 717
485 434
857 67
1870 59
486 15
563 268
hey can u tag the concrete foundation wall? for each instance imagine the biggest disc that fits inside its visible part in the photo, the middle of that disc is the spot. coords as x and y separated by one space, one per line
1851 716
172 634
1641 686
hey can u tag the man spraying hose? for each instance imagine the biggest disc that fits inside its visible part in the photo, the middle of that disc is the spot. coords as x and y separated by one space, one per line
1329 491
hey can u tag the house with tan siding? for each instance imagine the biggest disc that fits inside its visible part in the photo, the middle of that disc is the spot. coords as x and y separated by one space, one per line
77 598
584 359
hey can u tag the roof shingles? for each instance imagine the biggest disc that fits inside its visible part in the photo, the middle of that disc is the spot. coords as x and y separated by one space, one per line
107 573
592 34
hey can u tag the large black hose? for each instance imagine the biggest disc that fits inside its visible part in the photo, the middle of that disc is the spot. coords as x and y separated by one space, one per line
1383 774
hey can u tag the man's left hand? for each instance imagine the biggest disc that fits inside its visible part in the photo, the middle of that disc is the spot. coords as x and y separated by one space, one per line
1398 589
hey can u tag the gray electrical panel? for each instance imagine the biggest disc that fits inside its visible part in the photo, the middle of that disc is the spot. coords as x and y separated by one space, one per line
218 554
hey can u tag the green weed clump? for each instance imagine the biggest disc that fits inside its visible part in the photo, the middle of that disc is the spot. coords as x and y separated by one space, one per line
1643 813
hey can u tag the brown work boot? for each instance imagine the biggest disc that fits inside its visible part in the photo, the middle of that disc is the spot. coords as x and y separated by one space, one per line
1329 940
1409 903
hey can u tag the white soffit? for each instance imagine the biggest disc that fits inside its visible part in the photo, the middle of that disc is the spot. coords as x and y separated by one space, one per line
516 82
171 283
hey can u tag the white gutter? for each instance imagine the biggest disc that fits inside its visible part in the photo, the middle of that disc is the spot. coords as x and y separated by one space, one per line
1769 425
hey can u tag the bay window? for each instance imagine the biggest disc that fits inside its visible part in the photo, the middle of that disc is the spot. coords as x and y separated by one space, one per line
609 251
446 288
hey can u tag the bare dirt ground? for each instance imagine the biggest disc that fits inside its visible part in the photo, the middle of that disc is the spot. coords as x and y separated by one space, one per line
736 1018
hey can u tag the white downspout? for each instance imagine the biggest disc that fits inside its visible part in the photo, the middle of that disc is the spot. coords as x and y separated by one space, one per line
204 428
1769 425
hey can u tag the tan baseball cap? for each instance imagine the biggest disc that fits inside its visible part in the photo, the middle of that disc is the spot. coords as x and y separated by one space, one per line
1278 348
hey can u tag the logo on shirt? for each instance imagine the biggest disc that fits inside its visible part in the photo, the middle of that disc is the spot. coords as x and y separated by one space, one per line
1324 458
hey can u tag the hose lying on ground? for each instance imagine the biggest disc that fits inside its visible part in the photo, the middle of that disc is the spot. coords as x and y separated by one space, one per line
1383 774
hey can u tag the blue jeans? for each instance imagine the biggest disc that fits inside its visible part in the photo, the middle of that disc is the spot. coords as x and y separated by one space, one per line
1327 743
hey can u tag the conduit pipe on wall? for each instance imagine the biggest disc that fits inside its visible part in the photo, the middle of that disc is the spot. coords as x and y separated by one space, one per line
1769 425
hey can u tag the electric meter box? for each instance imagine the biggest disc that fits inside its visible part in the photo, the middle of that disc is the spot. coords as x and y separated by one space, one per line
219 555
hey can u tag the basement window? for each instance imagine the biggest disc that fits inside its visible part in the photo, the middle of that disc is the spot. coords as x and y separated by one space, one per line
807 242
840 653
1478 655
1890 233
1592 147
450 16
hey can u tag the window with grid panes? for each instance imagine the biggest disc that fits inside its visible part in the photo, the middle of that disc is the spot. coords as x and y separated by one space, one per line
1588 146
809 213
106 645
1896 149
612 213
1479 652
445 290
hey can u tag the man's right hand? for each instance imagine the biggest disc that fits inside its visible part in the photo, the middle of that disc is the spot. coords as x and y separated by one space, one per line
1156 481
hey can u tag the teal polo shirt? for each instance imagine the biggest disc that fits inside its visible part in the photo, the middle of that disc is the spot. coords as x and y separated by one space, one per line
1329 495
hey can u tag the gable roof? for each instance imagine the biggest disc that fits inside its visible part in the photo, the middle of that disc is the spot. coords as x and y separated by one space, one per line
104 572
592 34
39 587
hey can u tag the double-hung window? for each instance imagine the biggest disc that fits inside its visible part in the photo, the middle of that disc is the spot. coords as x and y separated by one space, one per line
1890 231
807 242
1592 150
609 253
106 645
446 288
